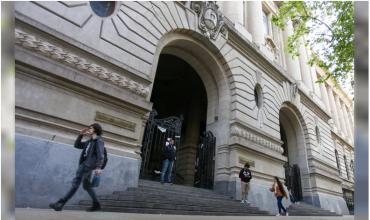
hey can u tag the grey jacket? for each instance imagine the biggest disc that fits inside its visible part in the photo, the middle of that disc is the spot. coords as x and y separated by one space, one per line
95 156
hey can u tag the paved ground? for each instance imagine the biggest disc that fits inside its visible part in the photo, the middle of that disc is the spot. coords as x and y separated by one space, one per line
47 214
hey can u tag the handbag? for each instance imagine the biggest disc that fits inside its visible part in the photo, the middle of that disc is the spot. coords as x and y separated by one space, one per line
95 180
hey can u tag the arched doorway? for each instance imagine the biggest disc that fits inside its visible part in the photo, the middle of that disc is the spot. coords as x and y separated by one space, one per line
296 169
179 93
210 67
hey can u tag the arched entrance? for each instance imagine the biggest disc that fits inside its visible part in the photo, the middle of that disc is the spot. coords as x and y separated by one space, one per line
189 81
179 92
296 169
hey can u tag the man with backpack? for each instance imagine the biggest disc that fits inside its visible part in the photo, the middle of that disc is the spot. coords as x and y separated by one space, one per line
245 176
93 159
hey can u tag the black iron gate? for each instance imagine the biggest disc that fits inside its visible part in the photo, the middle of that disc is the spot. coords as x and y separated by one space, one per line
293 181
205 163
156 133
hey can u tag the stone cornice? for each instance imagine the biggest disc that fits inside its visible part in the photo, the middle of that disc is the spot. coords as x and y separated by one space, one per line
342 140
54 52
308 102
253 136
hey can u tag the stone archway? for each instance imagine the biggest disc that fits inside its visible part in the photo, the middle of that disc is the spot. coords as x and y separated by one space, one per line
209 70
292 129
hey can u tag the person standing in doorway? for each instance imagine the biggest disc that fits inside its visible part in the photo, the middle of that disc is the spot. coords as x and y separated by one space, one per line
169 156
278 189
245 176
91 160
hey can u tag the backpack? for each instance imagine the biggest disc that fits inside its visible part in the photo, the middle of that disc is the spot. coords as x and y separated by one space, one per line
105 158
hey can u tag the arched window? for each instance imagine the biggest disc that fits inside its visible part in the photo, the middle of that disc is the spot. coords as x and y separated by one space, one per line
258 96
318 137
337 159
353 168
346 165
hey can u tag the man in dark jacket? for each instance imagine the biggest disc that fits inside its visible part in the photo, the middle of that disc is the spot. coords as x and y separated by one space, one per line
169 155
245 176
91 159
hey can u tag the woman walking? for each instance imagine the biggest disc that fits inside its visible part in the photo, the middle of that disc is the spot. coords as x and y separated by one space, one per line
278 189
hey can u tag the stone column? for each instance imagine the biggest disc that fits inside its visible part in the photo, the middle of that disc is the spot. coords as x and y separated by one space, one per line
255 21
348 124
316 86
234 10
351 125
187 152
291 63
325 97
305 68
334 112
341 116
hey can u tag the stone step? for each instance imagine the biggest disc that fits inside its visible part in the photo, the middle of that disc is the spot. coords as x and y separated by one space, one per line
173 193
172 188
154 184
304 209
178 206
168 212
175 200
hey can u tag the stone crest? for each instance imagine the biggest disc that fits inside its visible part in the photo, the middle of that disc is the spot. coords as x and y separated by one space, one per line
210 19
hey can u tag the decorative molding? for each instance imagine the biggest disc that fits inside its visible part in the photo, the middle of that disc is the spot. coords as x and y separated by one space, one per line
102 117
57 53
243 160
250 136
210 19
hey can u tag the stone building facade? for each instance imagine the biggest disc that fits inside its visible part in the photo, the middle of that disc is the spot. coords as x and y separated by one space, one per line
221 66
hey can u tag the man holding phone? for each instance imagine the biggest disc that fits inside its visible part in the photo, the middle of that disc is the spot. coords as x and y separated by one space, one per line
91 160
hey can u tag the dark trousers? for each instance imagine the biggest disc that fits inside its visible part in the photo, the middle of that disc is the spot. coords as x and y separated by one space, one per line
166 171
83 174
280 204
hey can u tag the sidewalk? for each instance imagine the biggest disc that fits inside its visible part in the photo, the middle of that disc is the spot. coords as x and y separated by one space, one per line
47 214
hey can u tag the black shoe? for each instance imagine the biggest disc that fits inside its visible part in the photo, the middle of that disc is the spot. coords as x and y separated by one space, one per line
95 207
57 206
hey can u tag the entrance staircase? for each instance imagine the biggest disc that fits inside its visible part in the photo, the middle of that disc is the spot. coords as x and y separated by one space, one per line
154 198
151 197
304 209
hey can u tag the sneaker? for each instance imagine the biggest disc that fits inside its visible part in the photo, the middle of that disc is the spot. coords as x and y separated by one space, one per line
278 214
57 206
286 214
246 201
242 201
94 207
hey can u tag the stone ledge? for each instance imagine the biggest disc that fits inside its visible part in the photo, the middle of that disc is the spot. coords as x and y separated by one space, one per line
256 137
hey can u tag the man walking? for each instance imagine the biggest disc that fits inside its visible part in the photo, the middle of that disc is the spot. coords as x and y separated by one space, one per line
169 155
91 160
245 176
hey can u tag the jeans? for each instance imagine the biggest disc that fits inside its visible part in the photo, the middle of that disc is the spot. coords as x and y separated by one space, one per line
280 204
166 170
83 174
245 189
